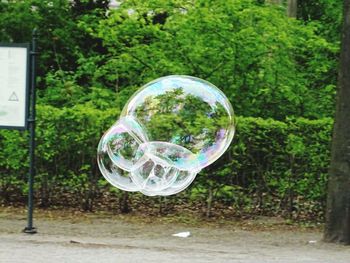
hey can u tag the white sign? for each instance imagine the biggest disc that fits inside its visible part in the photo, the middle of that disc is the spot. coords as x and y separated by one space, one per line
13 86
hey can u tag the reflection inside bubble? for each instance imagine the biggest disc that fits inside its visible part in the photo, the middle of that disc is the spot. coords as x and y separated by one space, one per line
168 131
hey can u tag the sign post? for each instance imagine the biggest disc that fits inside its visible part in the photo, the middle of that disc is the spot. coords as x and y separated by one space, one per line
31 123
17 101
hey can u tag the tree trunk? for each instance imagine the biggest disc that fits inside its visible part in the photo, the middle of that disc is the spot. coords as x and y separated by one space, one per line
292 8
45 192
209 202
275 2
160 210
124 203
337 228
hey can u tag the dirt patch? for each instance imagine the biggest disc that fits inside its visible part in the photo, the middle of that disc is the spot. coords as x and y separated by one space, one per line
69 236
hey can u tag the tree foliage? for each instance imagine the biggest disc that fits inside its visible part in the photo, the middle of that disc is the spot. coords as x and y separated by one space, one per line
267 64
270 66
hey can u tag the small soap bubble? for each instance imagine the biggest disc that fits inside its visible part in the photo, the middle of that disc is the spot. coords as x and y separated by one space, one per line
168 131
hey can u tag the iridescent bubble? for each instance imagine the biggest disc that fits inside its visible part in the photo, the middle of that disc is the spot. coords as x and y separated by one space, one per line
167 132
113 173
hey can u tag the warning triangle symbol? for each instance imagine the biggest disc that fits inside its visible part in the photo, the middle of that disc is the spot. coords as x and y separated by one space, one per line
13 97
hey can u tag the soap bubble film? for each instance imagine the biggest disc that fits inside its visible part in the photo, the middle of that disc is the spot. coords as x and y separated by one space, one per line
168 131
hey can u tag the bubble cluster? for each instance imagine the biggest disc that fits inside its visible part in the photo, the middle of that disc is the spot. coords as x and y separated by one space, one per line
168 131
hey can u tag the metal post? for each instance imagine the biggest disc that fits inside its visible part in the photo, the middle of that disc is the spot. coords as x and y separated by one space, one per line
31 123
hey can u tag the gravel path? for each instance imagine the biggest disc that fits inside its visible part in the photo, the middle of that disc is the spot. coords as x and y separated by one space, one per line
107 238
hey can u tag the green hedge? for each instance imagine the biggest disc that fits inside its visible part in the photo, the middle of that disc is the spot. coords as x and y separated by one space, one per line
271 167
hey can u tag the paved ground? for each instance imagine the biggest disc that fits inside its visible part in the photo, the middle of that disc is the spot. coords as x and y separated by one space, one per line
108 238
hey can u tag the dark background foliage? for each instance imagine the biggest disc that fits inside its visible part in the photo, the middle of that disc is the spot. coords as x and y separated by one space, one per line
279 73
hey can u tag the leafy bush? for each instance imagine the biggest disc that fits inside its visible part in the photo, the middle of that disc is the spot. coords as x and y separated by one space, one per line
272 167
92 59
267 64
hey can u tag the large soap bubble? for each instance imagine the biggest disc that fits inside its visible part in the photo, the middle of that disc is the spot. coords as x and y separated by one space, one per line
168 131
